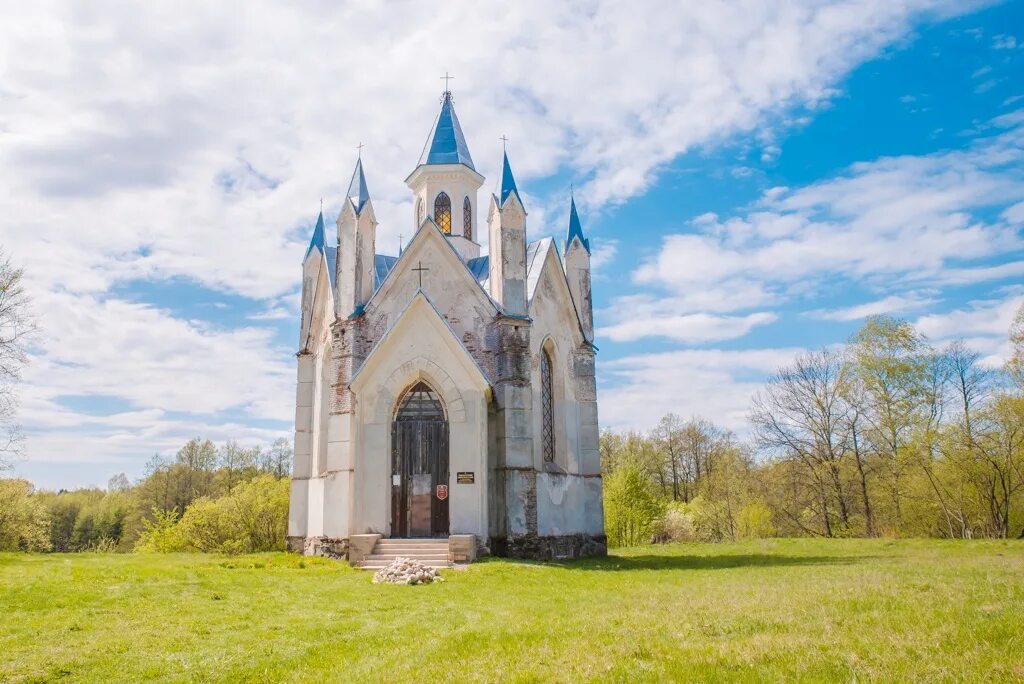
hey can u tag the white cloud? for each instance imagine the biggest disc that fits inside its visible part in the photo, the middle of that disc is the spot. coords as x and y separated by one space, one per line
658 320
712 383
983 325
894 220
894 304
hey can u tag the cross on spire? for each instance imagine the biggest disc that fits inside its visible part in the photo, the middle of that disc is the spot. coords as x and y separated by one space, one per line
359 149
504 142
420 268
446 78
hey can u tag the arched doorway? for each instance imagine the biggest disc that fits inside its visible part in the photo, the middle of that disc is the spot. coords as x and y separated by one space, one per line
419 466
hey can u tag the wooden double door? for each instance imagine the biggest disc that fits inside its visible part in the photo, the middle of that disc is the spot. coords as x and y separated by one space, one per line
419 466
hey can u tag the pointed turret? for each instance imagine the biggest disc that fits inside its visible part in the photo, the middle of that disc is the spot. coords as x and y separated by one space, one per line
508 182
577 271
575 229
507 225
357 231
358 193
445 183
319 239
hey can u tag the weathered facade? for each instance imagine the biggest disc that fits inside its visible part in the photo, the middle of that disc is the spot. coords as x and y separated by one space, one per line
442 391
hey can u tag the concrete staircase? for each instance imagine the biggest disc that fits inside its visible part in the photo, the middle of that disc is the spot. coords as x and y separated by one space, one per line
430 552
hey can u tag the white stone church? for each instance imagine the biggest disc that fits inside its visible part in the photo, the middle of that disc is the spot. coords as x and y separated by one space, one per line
445 393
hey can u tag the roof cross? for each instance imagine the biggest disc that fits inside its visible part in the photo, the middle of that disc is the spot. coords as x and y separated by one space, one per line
446 78
504 142
420 268
359 149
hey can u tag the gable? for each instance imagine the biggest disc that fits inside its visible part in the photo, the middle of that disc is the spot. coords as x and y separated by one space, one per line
446 274
547 279
419 329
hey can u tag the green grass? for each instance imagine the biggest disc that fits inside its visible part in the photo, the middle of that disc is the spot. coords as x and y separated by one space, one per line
786 610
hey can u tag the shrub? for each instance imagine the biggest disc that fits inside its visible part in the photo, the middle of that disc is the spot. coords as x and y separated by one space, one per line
631 509
676 524
253 517
755 521
161 534
24 522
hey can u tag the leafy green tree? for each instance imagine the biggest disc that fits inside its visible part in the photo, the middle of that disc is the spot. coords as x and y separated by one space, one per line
631 508
24 523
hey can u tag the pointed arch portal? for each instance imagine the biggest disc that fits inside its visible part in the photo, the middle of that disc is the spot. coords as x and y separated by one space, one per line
419 465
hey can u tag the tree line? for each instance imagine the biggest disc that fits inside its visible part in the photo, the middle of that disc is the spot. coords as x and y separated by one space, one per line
886 436
204 498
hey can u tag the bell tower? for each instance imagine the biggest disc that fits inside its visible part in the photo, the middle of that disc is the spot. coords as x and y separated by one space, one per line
445 183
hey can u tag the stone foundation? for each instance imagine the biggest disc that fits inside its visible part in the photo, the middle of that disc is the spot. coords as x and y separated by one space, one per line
562 547
328 547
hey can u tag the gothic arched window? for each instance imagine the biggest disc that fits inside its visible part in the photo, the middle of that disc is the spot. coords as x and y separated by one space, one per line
467 219
443 213
547 408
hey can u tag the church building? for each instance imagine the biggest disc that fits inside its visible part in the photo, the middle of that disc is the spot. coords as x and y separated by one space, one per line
447 392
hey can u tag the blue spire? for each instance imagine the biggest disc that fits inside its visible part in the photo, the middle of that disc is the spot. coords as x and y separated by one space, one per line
357 190
575 229
508 182
319 240
446 144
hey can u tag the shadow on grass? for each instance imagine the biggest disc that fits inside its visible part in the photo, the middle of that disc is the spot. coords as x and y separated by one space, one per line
685 562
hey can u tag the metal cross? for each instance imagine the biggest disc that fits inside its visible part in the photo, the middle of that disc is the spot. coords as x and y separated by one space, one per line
504 143
399 243
359 149
420 268
446 78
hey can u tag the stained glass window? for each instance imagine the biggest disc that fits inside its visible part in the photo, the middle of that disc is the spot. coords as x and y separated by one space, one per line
443 213
467 219
547 400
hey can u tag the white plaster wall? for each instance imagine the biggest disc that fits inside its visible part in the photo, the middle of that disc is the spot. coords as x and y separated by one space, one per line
565 505
420 347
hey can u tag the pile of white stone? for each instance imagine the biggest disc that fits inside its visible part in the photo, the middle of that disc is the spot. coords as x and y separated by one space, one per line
406 571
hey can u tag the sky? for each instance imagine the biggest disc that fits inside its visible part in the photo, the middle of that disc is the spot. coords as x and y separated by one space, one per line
755 177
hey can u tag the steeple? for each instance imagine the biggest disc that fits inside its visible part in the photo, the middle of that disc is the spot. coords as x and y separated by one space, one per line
577 271
508 182
575 229
358 193
444 183
446 144
319 240
357 235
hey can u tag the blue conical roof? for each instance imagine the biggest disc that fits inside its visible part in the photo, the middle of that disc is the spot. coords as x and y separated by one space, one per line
319 240
575 229
357 190
446 144
508 182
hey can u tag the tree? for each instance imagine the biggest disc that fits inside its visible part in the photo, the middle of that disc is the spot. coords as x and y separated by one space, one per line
1015 366
16 330
278 459
892 365
631 508
802 414
667 435
24 523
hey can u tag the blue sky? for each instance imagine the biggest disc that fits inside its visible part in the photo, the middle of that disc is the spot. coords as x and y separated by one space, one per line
755 180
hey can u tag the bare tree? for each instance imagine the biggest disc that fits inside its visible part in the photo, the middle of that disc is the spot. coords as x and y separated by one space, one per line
802 415
16 330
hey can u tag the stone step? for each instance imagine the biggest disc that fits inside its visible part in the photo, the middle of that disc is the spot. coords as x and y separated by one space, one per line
412 542
397 548
421 557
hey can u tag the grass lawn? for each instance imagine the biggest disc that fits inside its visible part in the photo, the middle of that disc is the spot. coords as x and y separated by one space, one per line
778 610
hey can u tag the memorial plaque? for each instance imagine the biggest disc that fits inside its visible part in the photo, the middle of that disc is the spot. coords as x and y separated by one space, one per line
465 478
